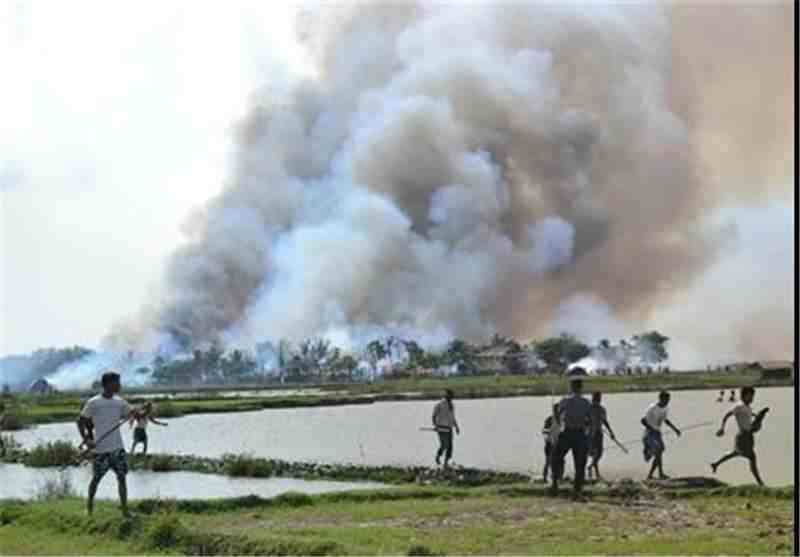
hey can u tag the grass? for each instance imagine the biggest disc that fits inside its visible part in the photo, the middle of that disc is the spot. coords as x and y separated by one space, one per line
60 487
52 453
28 409
415 521
61 453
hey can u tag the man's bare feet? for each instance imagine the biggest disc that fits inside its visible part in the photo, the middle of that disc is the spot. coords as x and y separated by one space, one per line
714 467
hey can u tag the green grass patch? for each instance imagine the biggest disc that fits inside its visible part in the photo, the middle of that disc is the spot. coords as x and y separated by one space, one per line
52 453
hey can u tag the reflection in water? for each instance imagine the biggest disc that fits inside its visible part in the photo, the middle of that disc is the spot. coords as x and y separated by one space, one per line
501 434
23 483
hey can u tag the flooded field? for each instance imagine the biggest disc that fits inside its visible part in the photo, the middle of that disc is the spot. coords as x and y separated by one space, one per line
21 482
501 434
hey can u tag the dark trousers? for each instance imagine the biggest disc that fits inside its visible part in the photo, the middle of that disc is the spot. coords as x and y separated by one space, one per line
577 441
445 445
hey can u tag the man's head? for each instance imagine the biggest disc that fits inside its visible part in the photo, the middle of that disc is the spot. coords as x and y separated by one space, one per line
110 382
148 406
747 394
576 376
663 398
597 397
448 394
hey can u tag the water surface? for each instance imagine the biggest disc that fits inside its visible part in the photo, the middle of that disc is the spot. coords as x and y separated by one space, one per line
501 433
22 482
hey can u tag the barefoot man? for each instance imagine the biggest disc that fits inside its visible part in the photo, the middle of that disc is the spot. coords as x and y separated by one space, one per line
653 440
744 443
103 413
599 418
140 431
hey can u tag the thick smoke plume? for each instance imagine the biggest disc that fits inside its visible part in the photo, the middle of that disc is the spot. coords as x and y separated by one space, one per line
456 171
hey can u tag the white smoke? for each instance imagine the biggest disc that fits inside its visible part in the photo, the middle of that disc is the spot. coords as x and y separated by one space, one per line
448 171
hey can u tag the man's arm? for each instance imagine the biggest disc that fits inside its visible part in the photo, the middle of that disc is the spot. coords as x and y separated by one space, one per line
155 421
721 430
86 430
647 425
675 429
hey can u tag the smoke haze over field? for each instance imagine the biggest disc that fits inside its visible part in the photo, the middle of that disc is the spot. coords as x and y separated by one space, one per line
527 168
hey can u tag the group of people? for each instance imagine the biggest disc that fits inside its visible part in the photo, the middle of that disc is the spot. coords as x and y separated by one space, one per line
731 398
578 426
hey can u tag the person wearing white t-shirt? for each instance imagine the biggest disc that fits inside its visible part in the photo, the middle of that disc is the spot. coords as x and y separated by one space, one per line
98 425
653 441
744 443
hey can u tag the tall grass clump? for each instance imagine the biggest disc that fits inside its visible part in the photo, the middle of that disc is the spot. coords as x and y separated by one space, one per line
167 410
59 487
52 453
246 466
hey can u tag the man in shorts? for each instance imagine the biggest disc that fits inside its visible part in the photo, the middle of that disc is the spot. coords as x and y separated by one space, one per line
140 431
98 425
653 441
599 419
744 443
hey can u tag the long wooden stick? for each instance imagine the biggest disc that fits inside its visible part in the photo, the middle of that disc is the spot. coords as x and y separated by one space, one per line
85 453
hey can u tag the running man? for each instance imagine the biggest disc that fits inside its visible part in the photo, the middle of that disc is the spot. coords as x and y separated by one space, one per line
721 397
574 412
732 398
97 422
744 443
551 430
444 421
653 440
599 419
140 431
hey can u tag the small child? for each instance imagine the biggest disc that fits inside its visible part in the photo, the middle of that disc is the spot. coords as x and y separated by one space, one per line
550 430
744 443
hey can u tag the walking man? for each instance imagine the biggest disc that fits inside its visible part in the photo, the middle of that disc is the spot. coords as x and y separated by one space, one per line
599 419
140 431
551 430
444 421
653 440
98 425
574 412
744 443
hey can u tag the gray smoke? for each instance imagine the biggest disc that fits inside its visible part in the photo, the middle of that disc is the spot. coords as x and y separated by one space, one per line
459 171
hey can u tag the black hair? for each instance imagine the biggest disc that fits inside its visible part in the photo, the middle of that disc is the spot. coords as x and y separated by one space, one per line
746 391
108 378
596 395
663 394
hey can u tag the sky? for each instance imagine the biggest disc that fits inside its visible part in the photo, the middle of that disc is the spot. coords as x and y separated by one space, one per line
117 120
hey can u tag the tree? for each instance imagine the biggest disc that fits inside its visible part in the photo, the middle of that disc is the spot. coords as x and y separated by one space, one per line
375 352
559 352
652 347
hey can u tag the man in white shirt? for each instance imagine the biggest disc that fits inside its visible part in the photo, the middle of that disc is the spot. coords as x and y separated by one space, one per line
744 443
98 425
653 441
444 421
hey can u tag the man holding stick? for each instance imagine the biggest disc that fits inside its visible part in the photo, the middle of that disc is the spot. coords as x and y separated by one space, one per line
744 444
99 424
653 440
444 421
